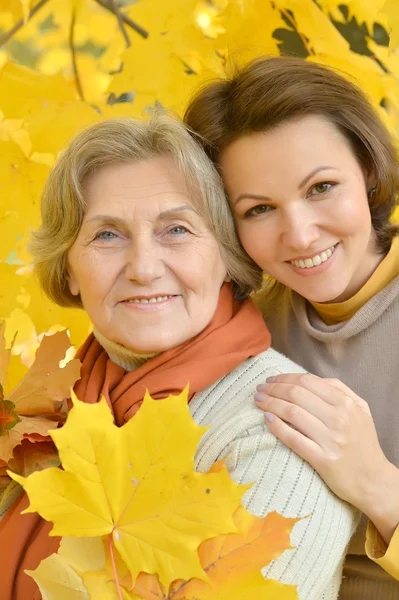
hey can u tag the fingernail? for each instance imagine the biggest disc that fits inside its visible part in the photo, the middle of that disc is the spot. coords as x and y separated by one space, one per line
262 387
259 397
269 417
270 379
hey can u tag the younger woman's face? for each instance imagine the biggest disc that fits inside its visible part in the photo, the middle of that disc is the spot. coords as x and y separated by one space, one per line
300 201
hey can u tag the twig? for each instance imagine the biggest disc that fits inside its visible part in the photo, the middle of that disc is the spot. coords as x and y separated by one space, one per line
122 27
305 42
111 552
137 28
73 54
21 23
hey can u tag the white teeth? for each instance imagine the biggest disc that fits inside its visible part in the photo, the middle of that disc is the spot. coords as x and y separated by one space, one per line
149 300
316 260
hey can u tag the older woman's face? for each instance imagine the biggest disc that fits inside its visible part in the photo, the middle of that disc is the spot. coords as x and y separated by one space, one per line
147 267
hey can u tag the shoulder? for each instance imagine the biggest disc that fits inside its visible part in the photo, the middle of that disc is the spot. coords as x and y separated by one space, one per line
233 393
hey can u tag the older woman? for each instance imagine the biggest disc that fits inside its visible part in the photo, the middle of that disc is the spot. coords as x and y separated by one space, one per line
135 229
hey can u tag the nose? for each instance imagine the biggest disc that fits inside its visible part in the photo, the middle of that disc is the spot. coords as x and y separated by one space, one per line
144 262
299 230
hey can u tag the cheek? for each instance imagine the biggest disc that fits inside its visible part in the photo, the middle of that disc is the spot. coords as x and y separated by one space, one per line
201 270
353 215
257 240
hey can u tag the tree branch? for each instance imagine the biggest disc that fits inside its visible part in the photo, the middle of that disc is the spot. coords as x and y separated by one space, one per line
137 28
7 36
73 54
122 27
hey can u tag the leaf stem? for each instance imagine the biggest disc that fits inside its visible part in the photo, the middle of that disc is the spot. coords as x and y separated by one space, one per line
127 20
111 552
73 54
7 36
305 42
122 27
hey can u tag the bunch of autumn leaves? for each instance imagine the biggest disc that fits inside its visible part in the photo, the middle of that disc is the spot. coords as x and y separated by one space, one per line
136 519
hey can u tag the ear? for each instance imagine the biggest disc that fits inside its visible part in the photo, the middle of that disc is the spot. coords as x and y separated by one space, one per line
371 180
73 284
227 279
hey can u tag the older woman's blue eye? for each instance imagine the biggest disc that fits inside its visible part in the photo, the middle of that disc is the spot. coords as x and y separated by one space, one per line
177 230
105 235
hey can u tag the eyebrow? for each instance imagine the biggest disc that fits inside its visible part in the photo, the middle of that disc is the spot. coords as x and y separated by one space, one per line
303 183
163 215
312 173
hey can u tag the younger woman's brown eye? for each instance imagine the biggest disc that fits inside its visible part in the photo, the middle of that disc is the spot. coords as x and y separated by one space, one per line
320 188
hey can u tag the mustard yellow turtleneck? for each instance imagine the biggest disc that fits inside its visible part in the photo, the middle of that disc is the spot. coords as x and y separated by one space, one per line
386 271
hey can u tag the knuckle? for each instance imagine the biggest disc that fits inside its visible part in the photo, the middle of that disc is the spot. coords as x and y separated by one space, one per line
304 379
341 422
348 403
293 412
291 392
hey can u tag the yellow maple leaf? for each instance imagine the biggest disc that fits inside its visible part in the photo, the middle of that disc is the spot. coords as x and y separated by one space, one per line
364 11
58 580
315 25
249 29
137 483
161 76
21 183
47 104
231 562
391 12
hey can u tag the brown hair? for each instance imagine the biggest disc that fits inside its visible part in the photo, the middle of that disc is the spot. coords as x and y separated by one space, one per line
270 91
127 140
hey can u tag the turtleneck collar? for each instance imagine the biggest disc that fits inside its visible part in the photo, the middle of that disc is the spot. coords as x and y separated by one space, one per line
120 355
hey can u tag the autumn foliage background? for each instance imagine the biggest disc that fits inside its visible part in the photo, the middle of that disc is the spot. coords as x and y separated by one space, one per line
67 63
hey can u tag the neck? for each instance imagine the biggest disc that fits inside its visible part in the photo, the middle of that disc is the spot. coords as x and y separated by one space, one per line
120 355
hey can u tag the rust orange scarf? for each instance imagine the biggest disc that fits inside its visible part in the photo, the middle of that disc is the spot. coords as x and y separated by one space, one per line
236 332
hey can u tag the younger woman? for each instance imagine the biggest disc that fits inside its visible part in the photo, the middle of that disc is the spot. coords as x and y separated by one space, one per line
312 177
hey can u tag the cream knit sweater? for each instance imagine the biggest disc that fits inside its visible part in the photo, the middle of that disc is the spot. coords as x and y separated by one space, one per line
364 353
282 481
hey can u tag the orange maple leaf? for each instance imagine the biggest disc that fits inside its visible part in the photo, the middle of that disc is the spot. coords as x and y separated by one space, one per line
38 403
236 558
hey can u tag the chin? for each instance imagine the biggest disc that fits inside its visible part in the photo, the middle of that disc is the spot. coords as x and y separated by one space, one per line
322 296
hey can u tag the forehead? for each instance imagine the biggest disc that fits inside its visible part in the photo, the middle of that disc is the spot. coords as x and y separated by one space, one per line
154 181
296 142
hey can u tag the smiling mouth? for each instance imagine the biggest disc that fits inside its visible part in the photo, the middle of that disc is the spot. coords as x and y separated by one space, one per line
148 300
314 261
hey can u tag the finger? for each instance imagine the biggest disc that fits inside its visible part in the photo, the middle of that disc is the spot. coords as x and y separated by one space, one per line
299 418
295 394
337 383
295 441
318 386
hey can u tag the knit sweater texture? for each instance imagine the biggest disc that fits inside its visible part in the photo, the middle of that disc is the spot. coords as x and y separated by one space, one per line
281 480
363 353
